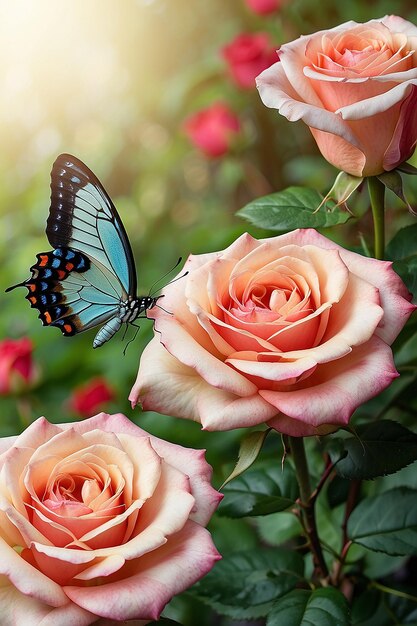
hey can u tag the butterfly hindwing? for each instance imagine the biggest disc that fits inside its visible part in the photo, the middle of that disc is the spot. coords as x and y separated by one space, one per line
82 217
70 292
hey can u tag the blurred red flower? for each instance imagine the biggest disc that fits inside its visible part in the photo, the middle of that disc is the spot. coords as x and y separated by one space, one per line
91 397
212 129
248 55
16 364
263 7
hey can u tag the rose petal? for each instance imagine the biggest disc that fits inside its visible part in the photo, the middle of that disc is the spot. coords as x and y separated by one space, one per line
153 580
17 608
28 580
393 294
277 93
335 391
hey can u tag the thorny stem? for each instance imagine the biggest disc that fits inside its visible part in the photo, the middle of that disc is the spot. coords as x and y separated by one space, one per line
376 194
352 498
307 505
329 469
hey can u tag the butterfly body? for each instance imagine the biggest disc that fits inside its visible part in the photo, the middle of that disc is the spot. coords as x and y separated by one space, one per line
89 278
128 312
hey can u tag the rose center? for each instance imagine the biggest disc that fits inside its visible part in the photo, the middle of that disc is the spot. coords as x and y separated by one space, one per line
75 495
266 303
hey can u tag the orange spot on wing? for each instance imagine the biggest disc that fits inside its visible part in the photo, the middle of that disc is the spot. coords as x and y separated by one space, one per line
31 287
69 266
43 260
47 316
68 328
62 274
32 299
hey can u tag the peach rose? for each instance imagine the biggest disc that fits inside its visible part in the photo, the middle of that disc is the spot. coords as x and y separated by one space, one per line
98 519
355 86
293 331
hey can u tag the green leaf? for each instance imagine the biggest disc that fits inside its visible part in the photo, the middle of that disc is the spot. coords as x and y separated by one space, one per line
387 522
393 181
368 610
380 448
322 607
250 447
403 244
278 528
294 207
407 168
245 585
343 187
260 492
407 270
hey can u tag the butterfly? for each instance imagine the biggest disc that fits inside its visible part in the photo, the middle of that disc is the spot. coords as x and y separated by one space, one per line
89 278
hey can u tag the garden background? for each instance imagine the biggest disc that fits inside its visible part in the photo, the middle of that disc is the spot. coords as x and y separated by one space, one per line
113 83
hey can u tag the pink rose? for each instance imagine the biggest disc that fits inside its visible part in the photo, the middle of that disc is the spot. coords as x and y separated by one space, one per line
99 519
213 129
90 397
355 86
264 7
293 331
16 365
248 55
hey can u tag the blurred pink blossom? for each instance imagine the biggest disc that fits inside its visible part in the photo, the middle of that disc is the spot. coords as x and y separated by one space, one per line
212 129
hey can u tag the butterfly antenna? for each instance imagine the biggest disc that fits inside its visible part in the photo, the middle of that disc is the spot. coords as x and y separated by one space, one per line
162 308
151 290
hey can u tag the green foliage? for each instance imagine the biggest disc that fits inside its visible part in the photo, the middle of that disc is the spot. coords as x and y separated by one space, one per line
387 522
407 269
262 491
327 607
295 207
377 449
245 585
404 244
250 447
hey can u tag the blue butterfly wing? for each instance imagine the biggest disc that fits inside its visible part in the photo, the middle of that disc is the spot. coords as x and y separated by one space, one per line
82 217
72 292
81 283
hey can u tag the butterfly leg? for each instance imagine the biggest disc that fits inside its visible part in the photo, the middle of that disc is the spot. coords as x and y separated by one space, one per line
133 338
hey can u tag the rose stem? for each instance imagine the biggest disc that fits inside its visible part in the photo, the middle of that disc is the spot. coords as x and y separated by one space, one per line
376 194
307 504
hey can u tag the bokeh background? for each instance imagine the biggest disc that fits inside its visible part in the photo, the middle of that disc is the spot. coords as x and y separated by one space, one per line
113 83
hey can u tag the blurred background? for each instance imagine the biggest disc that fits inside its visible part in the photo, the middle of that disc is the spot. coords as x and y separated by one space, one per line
152 96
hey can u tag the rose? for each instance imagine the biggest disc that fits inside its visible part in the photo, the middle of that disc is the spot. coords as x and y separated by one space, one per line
90 397
17 370
355 86
99 519
212 129
248 55
264 7
293 331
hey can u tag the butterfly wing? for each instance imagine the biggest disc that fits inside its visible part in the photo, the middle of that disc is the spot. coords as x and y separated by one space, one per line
83 282
83 217
72 292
